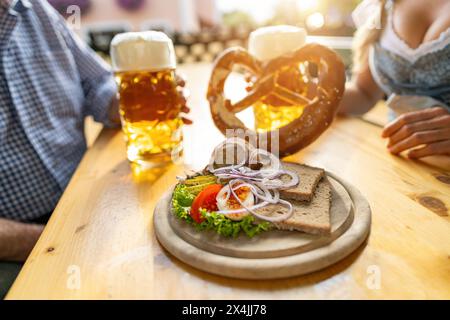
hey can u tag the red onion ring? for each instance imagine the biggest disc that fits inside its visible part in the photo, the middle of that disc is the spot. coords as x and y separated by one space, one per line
266 218
264 184
266 200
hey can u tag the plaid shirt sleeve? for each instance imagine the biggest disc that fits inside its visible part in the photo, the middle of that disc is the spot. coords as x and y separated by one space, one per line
96 76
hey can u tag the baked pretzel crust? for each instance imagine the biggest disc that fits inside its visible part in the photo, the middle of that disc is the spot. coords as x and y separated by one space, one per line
319 110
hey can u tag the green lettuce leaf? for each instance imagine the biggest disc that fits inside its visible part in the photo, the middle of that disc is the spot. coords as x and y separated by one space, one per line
182 200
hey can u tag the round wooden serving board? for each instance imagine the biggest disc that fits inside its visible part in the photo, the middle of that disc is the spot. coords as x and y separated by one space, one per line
273 244
273 254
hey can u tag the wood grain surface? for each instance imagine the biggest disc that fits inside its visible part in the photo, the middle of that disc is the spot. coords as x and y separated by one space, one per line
100 242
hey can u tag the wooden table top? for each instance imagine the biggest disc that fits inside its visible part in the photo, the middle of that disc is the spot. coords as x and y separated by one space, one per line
100 242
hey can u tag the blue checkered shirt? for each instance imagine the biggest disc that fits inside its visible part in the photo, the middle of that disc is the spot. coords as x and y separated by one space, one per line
49 82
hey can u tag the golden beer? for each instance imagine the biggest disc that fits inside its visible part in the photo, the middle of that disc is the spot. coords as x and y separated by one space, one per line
272 112
149 110
269 117
150 105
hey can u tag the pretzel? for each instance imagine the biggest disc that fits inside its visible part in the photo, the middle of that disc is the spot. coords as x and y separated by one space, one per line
320 107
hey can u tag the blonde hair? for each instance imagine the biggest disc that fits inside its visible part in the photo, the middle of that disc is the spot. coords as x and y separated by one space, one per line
366 36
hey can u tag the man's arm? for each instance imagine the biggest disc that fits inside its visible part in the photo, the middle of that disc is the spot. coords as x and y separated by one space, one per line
96 77
113 115
17 239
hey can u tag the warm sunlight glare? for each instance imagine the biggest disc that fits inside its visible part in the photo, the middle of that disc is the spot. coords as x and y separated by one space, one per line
315 20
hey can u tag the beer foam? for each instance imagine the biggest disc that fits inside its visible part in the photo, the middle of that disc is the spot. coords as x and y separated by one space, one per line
142 51
270 42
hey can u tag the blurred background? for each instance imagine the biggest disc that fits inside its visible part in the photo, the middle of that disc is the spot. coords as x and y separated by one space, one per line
201 29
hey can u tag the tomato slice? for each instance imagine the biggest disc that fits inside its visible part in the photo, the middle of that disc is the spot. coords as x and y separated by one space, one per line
206 199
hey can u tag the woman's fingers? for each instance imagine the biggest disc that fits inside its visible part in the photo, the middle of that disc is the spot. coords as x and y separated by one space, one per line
412 117
186 120
183 92
180 79
185 109
419 138
183 95
411 128
424 127
441 147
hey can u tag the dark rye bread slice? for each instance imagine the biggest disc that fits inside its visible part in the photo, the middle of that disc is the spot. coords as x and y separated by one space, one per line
312 217
309 177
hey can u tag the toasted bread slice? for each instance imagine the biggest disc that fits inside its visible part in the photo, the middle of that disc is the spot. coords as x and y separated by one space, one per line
312 217
309 178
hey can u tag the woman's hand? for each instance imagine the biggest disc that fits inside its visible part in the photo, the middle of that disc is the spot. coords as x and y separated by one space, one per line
429 128
184 94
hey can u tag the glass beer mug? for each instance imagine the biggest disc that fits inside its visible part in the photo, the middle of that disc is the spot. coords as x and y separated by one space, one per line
294 88
265 44
144 64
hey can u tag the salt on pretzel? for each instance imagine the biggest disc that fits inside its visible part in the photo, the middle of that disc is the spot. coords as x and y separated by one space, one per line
319 110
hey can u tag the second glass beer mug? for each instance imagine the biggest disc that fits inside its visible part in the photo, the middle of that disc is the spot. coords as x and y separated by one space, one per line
266 44
293 87
144 64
